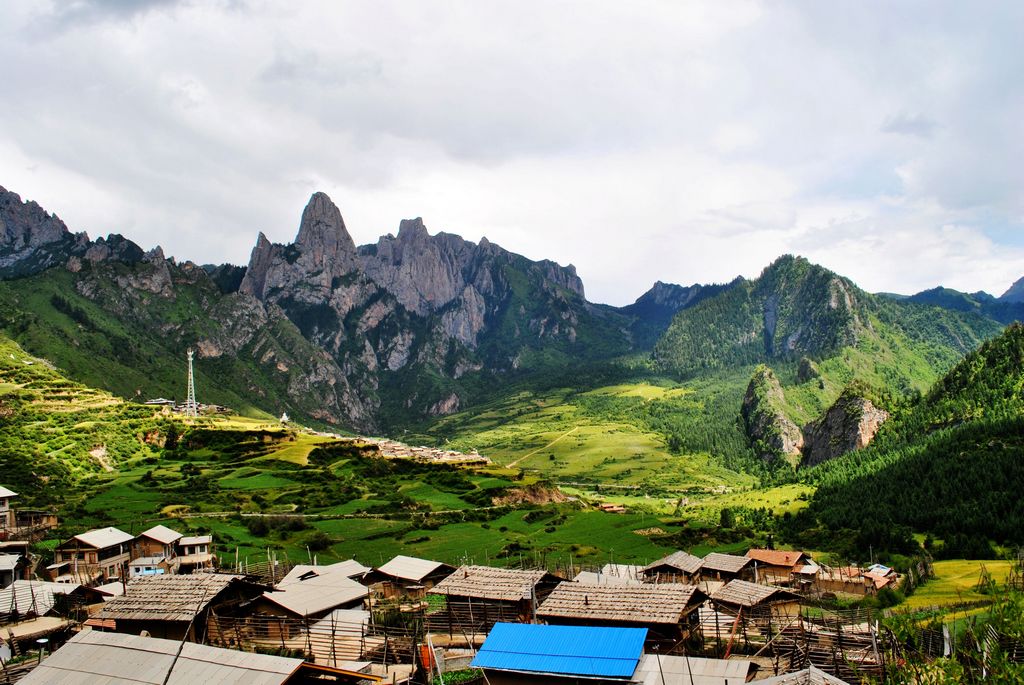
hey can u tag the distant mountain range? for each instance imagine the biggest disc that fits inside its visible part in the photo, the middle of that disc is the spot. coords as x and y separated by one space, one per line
377 337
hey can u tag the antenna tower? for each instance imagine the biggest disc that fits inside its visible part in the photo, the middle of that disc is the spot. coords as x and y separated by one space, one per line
191 408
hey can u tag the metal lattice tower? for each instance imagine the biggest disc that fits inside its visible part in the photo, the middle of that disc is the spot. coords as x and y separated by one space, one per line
191 408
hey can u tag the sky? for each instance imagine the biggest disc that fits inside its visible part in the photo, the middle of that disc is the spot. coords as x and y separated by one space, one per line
681 141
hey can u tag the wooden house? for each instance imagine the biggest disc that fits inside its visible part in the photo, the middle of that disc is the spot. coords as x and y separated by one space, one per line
668 610
678 567
779 566
174 606
407 577
479 596
158 541
726 567
313 597
756 598
96 554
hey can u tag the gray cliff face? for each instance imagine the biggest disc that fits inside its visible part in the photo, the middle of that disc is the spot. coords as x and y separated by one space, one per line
32 240
849 424
767 425
323 252
414 298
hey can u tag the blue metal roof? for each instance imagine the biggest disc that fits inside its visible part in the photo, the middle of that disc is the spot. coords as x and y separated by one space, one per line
569 650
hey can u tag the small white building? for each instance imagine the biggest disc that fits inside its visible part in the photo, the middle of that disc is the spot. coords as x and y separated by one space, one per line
7 520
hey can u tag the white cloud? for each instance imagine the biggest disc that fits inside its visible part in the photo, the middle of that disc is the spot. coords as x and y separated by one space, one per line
682 142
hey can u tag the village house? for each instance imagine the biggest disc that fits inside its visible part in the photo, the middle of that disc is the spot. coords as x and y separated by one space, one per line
311 595
781 567
91 556
350 568
150 566
668 611
95 657
23 523
14 567
407 577
479 596
678 567
718 566
7 520
159 542
195 553
174 606
741 594
881 576
530 654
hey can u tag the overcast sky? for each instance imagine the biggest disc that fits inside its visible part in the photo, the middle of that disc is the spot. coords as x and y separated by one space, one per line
641 141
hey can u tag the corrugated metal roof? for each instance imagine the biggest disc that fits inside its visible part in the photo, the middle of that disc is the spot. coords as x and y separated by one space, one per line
147 561
726 563
656 604
162 534
681 561
104 537
812 675
486 582
742 593
623 570
115 589
569 650
167 598
4 492
95 658
196 540
349 568
9 562
411 568
32 596
680 670
593 578
317 595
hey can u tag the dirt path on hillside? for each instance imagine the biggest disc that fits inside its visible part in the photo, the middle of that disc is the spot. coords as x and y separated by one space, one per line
541 449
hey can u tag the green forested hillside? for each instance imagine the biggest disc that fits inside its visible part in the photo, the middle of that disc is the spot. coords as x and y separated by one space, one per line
800 309
132 342
951 465
54 431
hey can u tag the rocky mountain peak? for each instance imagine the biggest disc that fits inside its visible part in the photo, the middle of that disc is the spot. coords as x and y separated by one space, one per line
1015 293
849 424
322 229
410 230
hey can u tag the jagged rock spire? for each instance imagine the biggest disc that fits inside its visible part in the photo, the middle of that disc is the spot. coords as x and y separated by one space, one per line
322 227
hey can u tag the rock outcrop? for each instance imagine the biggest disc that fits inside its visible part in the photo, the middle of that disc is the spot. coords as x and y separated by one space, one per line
32 240
849 424
771 432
